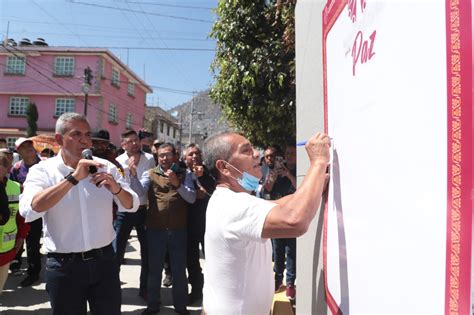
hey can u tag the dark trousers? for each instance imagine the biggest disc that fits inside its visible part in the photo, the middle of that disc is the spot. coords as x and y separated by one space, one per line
284 247
195 276
33 247
71 283
123 225
175 242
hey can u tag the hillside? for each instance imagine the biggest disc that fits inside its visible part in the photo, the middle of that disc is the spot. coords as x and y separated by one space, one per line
207 118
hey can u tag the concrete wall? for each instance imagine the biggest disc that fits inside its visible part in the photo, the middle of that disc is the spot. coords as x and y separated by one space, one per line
310 119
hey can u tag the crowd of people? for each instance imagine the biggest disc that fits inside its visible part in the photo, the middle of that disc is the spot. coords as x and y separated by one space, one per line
224 204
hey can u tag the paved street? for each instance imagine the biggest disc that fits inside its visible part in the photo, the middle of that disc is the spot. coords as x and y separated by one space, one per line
34 300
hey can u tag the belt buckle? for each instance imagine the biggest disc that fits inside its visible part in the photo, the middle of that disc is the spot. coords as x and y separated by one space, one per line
84 256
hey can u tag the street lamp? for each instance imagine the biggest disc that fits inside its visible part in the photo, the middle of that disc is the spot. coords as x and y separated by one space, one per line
86 87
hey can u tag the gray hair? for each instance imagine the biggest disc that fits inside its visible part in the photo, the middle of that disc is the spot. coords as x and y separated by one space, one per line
187 148
217 148
67 117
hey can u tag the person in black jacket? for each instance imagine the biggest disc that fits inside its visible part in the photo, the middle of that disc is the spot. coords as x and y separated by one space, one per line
205 186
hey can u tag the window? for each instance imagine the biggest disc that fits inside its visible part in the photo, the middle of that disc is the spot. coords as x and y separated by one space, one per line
18 106
162 126
168 131
115 77
64 105
64 66
113 113
131 89
11 142
15 65
128 122
174 133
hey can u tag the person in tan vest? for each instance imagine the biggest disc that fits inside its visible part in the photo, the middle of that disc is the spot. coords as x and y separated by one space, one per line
171 191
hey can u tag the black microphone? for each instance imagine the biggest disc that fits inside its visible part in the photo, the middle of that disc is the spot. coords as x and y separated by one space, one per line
87 154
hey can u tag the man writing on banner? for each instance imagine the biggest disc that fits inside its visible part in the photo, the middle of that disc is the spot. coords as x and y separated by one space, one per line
75 202
239 226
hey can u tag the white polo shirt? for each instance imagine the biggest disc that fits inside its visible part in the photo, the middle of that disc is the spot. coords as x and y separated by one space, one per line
82 219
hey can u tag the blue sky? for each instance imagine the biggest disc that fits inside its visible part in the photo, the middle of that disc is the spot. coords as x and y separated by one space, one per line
121 24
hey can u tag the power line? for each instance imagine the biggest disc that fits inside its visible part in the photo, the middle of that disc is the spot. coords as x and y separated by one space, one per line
170 5
112 96
175 65
158 48
79 96
51 16
62 89
143 12
36 70
128 37
50 71
113 29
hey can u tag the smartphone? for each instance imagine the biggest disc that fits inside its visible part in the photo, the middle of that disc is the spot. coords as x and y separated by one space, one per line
279 164
174 167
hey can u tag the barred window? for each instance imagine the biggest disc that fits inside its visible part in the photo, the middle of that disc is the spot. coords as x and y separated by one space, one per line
64 105
11 142
131 89
64 66
15 65
18 106
115 77
113 115
128 122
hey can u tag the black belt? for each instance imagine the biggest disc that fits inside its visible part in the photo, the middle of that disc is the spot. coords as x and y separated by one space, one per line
83 256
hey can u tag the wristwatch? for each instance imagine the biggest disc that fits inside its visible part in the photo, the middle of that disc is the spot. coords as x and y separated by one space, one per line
71 179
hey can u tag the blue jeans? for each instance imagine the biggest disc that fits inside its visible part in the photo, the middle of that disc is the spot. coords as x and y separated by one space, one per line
72 283
282 246
123 225
175 242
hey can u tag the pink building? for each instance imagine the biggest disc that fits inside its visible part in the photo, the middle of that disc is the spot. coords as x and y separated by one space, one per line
53 79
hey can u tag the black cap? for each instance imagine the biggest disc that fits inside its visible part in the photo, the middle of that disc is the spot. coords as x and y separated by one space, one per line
100 134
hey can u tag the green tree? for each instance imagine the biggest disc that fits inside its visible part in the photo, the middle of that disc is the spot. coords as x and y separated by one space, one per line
31 119
254 68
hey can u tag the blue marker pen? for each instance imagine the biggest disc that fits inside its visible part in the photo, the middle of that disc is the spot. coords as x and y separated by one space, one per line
301 143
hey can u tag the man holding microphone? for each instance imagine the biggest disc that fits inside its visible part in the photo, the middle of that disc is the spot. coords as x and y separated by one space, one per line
76 207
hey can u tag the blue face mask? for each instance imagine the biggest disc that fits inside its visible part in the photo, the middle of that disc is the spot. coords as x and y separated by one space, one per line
247 181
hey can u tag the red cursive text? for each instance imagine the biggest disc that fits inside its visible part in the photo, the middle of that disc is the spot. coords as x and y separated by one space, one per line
362 51
352 8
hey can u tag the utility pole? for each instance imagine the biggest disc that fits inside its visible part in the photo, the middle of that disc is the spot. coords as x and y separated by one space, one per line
191 112
86 86
6 36
180 122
